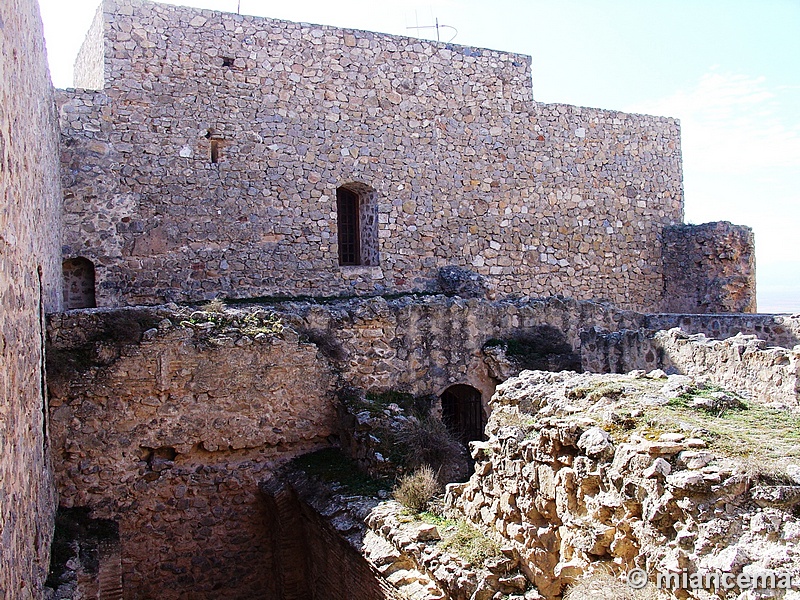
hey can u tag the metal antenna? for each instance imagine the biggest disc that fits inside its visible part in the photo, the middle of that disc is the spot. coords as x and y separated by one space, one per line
239 7
438 28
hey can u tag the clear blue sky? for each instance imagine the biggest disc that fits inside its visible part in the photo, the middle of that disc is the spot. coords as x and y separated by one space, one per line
730 70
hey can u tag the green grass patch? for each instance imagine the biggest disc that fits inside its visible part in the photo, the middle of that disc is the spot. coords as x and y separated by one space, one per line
438 520
764 439
468 542
332 466
459 537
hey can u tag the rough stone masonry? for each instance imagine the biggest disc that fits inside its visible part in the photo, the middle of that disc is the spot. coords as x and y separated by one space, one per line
30 284
210 154
218 154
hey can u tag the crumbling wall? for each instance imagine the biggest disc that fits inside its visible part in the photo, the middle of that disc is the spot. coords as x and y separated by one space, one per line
165 419
571 480
168 430
709 268
466 169
318 544
776 330
30 285
422 345
767 374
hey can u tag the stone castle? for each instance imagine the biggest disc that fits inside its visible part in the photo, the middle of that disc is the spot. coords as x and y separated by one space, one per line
397 205
215 154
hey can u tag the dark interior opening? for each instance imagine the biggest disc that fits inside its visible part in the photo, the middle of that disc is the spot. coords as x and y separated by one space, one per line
462 412
349 230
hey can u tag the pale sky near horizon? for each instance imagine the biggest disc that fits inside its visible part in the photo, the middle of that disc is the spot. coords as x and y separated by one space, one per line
728 69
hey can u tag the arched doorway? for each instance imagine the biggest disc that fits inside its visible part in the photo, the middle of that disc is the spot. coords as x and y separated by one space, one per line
462 412
78 283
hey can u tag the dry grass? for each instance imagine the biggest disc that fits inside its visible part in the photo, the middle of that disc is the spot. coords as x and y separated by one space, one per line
764 439
468 542
427 441
214 306
602 585
417 489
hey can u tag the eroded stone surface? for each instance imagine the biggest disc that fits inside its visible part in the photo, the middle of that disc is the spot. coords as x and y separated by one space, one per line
30 284
571 511
765 373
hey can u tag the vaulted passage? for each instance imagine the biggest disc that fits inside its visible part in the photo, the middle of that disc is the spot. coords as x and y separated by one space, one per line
462 412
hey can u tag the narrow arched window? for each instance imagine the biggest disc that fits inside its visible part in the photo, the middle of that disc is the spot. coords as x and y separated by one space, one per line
78 283
357 223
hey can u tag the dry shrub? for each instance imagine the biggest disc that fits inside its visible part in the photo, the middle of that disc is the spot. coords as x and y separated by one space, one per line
214 306
417 489
427 441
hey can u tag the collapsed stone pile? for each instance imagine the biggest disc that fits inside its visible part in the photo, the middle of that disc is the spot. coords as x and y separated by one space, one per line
586 474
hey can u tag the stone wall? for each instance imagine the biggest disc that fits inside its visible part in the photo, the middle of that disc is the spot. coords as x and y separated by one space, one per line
30 284
169 433
166 419
463 167
742 362
709 268
776 330
89 69
319 555
424 345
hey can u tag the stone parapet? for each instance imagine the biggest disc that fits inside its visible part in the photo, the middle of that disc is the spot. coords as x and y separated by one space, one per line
742 362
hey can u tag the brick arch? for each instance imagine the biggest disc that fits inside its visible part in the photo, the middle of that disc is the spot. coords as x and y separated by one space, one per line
357 224
79 283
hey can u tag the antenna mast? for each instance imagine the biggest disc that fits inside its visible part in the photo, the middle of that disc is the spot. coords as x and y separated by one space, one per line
438 28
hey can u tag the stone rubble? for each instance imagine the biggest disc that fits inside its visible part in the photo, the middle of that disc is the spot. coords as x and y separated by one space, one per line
575 503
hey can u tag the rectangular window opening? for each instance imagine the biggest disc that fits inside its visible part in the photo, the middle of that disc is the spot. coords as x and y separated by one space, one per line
349 233
215 150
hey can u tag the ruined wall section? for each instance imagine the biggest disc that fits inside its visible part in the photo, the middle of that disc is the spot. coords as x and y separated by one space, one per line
742 362
165 421
576 501
89 68
424 345
30 285
169 433
776 330
709 268
466 168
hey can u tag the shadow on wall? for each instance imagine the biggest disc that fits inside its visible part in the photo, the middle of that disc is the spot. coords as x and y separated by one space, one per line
85 557
463 414
541 348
